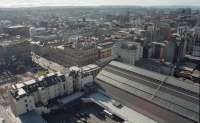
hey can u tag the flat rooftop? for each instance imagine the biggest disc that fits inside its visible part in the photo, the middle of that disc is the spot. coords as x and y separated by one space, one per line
167 92
26 88
124 112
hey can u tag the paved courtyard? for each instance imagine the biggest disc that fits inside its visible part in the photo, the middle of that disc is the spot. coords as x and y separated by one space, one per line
81 113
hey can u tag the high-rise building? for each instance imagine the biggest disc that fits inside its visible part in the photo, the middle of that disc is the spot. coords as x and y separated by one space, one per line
174 50
128 52
34 94
158 50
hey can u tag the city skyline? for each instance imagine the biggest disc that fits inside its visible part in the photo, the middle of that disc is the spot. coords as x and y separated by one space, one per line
36 3
99 61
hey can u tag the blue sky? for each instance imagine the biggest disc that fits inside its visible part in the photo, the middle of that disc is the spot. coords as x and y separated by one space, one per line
22 3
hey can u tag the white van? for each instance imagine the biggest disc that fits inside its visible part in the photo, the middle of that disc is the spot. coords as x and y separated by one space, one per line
107 113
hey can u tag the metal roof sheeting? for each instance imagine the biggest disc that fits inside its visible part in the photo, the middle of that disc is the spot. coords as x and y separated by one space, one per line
170 93
156 76
168 97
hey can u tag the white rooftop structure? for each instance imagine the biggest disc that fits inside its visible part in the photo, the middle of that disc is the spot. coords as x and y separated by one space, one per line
30 82
86 68
20 85
74 68
21 92
50 74
129 115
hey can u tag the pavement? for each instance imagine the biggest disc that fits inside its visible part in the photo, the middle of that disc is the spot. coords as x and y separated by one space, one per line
80 113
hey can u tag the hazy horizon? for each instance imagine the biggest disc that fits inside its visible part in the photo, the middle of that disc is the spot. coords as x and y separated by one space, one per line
39 3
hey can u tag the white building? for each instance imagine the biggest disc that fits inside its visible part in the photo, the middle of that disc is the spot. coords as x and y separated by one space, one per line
35 94
81 76
128 52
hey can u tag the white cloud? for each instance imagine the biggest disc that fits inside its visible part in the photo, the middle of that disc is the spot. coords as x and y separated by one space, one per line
18 3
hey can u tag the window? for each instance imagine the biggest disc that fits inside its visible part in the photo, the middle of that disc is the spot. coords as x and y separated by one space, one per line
64 87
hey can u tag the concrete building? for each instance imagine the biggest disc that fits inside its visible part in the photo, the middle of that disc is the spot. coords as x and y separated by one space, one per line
162 98
128 52
105 50
182 30
165 30
71 54
36 94
174 50
195 44
191 38
47 64
79 77
158 50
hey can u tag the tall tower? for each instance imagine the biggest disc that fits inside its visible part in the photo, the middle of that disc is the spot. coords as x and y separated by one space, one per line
128 17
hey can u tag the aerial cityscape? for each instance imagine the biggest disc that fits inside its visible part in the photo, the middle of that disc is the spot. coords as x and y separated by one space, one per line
100 61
